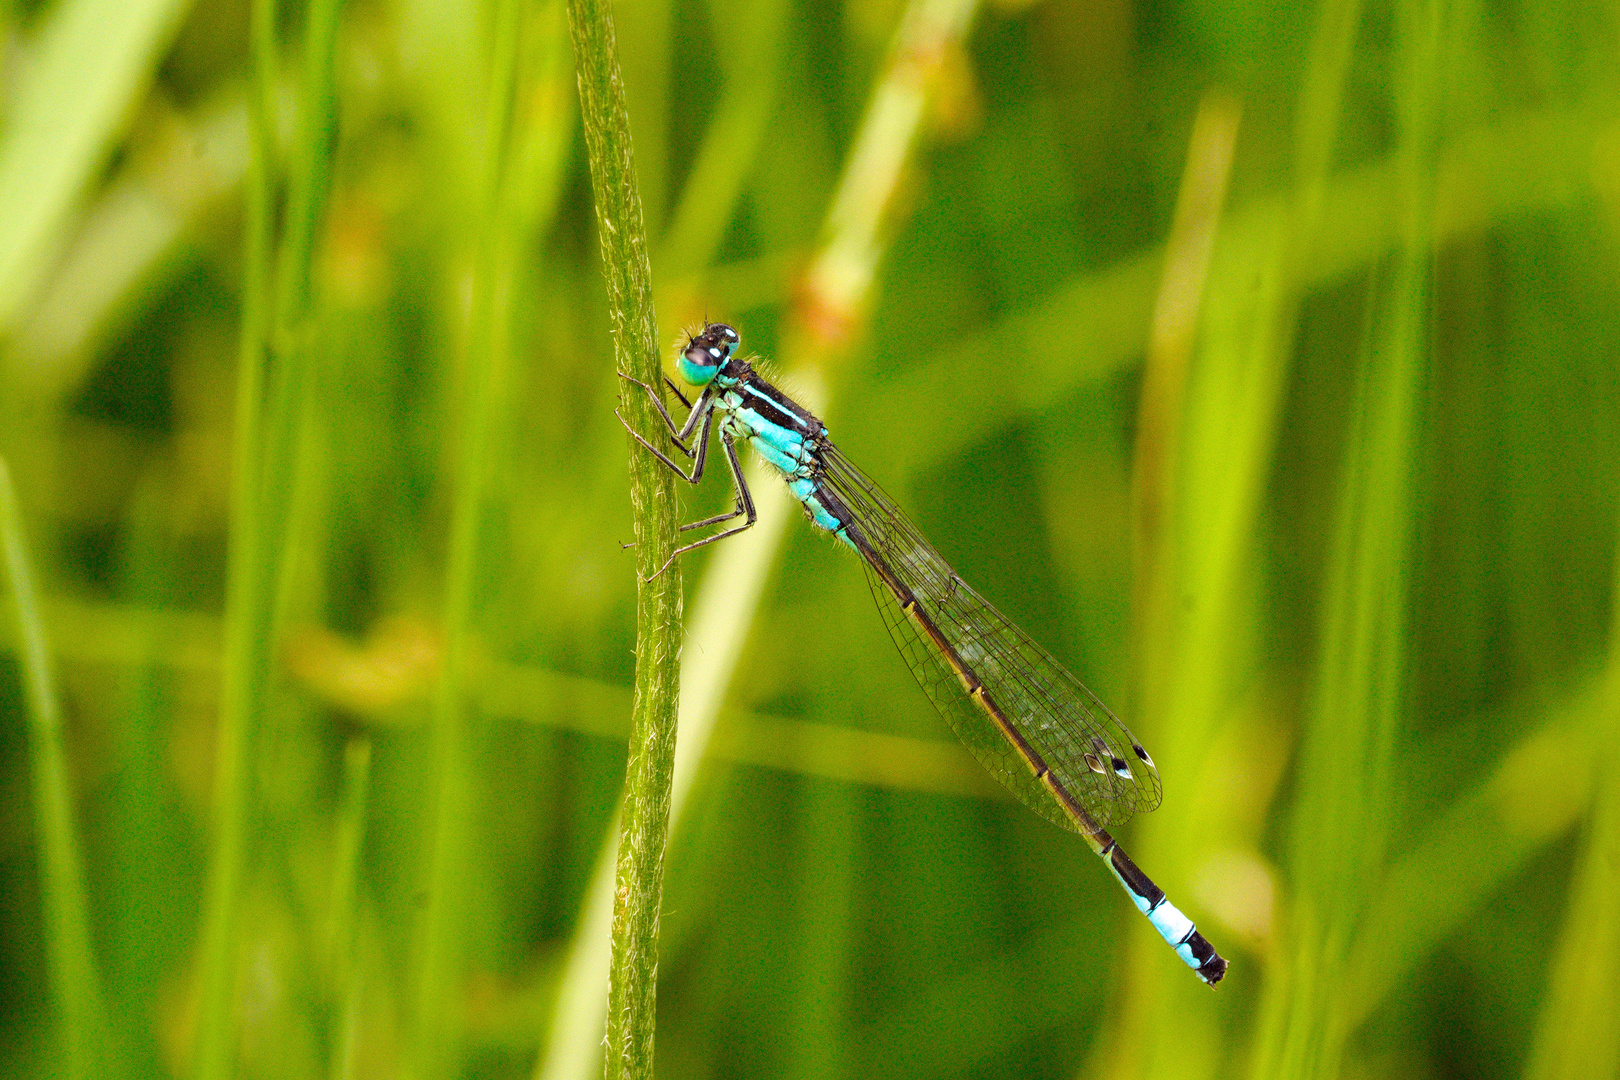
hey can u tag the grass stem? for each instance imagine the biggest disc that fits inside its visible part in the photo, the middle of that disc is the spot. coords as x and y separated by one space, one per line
75 986
633 972
247 599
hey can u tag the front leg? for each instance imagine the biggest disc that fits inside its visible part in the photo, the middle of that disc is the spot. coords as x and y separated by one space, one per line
745 505
702 445
684 431
677 392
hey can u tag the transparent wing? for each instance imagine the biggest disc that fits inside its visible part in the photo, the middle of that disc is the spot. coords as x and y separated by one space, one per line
1089 752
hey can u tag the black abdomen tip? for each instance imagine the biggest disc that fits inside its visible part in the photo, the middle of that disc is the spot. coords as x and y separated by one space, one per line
1211 965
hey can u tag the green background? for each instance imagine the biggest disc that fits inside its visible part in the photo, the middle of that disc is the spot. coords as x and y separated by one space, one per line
1342 554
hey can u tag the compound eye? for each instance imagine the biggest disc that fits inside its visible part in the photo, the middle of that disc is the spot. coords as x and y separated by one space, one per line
700 360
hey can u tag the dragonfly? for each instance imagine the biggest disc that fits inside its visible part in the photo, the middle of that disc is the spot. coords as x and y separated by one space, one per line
1047 738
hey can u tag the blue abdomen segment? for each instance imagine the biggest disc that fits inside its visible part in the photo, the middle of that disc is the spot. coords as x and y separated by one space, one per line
824 508
785 460
819 515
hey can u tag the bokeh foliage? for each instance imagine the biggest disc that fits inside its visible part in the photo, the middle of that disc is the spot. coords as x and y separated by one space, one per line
1339 543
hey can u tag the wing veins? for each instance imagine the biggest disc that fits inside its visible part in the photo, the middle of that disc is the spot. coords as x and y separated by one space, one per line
1050 707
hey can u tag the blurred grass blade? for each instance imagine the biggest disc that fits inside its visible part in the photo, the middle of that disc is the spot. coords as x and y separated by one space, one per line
1231 429
273 400
572 1045
1096 324
295 333
1169 350
1342 815
438 977
730 143
838 281
1445 872
1578 1034
309 169
342 921
130 245
543 128
1191 826
75 986
146 885
92 59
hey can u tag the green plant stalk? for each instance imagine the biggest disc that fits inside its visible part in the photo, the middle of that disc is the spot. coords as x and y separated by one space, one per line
309 166
436 1032
75 986
542 136
1340 820
292 455
245 674
1176 840
351 833
1578 1034
273 400
644 833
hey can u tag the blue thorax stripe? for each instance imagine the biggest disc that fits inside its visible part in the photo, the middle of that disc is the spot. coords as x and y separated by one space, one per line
774 405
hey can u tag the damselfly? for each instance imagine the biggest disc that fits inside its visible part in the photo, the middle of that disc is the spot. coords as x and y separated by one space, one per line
1026 719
